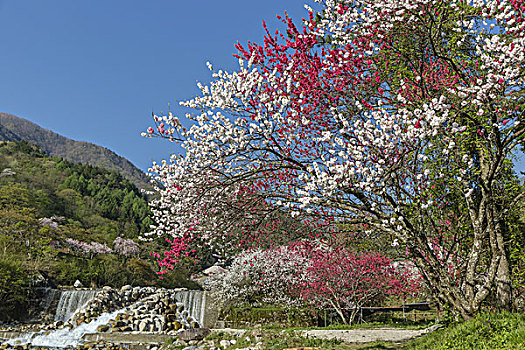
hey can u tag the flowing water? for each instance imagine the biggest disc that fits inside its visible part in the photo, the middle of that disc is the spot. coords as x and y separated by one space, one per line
194 302
71 301
64 337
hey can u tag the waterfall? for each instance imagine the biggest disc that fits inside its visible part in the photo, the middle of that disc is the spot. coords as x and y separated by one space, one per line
194 302
71 301
64 337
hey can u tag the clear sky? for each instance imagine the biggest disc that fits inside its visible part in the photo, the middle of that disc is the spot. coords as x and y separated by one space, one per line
95 70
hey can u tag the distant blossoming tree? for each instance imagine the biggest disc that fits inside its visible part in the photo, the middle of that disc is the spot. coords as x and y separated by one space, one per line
88 249
126 247
397 115
262 276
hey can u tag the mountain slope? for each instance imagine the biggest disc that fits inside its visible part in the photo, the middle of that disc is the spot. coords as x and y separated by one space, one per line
66 221
14 128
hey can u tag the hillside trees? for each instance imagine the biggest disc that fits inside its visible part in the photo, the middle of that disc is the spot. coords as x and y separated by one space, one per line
49 223
399 116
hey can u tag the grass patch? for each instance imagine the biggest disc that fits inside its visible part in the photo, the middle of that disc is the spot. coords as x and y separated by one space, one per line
488 330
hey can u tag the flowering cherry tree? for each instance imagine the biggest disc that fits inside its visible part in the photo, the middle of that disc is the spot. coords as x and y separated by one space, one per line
322 276
396 115
273 275
343 280
126 247
88 249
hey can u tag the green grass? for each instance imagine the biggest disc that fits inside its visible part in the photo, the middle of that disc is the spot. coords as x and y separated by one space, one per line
488 330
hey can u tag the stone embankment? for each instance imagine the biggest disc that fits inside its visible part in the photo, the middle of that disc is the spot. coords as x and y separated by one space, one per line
129 312
143 309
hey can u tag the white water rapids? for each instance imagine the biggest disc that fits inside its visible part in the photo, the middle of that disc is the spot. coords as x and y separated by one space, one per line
64 337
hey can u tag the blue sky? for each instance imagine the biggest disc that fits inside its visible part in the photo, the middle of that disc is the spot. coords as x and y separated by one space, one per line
95 70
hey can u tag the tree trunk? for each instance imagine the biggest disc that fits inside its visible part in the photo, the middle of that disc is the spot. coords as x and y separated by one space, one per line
504 285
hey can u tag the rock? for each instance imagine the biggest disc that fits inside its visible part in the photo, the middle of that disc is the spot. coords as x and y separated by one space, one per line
194 334
126 287
103 328
78 284
213 270
118 323
224 343
142 326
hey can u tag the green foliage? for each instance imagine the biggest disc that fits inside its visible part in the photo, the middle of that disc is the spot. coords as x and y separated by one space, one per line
487 331
269 317
516 244
14 288
45 201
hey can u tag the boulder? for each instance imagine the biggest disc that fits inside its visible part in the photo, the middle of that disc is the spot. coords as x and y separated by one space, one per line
103 328
194 334
143 325
225 343
78 284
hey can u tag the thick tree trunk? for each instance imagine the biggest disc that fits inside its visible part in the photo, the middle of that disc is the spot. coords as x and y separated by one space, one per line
504 284
503 278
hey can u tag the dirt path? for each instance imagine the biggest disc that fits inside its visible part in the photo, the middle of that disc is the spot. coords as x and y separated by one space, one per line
368 335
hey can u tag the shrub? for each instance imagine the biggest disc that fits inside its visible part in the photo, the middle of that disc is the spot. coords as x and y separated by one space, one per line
14 289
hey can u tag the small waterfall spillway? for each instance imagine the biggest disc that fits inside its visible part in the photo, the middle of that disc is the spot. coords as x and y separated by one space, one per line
194 302
120 311
71 301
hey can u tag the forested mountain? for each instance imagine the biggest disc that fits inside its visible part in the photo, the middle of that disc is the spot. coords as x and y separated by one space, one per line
69 221
13 128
